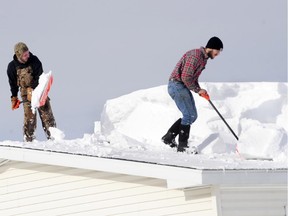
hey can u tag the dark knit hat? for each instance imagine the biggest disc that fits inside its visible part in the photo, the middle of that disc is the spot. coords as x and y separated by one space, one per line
20 48
215 43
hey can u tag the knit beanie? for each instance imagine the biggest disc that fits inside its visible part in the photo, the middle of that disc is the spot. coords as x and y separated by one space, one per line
215 43
20 48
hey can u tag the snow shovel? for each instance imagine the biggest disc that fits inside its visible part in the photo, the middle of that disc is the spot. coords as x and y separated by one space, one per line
207 97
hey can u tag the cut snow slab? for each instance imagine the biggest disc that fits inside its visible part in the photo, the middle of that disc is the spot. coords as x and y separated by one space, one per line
39 90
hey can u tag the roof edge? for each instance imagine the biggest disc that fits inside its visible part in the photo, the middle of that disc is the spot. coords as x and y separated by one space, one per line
177 177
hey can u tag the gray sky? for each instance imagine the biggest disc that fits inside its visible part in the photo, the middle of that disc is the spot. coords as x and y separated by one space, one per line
102 49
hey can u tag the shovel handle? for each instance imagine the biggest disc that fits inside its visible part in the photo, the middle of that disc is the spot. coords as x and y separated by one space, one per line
207 97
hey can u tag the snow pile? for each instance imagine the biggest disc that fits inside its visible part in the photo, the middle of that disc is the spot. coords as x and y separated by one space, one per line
255 111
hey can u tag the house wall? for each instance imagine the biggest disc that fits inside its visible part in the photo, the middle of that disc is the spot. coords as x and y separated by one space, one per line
37 189
256 200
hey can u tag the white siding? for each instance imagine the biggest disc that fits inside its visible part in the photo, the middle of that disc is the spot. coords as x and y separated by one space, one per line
203 196
28 189
254 201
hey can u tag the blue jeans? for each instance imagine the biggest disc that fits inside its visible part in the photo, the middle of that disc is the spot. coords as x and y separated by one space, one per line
184 101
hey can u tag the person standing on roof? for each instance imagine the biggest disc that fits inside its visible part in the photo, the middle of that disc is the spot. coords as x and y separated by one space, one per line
24 72
182 81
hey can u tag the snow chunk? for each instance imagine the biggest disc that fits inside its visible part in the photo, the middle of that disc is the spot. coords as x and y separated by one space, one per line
263 140
37 92
56 134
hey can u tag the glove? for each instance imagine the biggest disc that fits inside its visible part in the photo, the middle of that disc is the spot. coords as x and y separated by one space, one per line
203 93
29 93
15 102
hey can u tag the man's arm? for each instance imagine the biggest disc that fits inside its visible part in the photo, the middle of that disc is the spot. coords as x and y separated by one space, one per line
12 78
189 76
37 71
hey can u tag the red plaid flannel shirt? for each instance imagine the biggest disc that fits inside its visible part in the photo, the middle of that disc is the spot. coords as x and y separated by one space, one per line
189 68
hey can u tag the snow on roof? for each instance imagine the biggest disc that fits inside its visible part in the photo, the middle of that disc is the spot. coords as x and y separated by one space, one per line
132 125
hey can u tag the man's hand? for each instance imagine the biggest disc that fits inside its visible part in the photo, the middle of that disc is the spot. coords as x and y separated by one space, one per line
15 103
29 93
203 93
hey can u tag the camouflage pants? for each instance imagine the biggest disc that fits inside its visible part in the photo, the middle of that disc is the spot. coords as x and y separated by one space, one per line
30 119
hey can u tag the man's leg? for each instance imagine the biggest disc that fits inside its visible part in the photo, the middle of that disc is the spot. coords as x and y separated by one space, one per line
186 104
169 137
29 122
183 137
47 117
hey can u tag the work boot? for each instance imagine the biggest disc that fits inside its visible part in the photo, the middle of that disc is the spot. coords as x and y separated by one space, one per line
169 137
183 138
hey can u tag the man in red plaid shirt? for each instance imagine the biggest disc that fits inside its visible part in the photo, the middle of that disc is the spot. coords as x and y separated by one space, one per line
182 81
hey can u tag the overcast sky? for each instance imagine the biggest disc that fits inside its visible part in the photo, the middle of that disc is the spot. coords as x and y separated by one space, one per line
102 49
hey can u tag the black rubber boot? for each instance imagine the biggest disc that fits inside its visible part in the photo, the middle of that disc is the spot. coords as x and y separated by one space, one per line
169 137
183 137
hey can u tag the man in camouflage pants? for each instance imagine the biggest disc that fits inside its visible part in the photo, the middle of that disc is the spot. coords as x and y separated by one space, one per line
24 72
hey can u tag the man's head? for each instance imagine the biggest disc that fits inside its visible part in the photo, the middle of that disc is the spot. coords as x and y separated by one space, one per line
214 47
22 52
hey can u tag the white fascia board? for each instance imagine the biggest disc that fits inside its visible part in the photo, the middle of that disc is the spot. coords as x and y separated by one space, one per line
176 177
245 177
112 165
232 177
